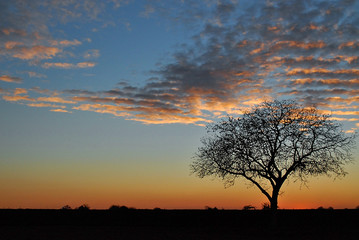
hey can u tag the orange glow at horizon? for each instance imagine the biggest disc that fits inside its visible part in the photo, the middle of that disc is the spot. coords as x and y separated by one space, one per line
147 192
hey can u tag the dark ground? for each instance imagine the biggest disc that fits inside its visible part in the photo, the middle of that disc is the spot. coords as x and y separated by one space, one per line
178 224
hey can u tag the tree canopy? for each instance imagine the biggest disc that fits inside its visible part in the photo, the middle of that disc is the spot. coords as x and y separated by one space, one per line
272 142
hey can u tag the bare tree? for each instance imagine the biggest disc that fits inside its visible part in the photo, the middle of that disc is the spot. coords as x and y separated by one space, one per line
271 143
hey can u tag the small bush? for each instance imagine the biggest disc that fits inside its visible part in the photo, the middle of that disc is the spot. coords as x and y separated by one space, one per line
211 209
66 207
83 207
118 208
265 206
248 207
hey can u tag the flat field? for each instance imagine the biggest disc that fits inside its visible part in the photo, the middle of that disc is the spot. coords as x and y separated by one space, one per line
178 224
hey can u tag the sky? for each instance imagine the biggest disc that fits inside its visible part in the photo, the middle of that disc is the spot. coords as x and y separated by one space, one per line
105 102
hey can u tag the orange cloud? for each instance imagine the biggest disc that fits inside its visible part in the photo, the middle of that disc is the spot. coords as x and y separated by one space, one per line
348 44
45 105
12 44
58 65
242 43
18 91
344 113
349 100
300 71
7 78
313 27
172 119
332 81
8 31
85 64
345 119
60 110
297 44
273 29
55 100
349 59
257 50
36 52
18 98
99 108
147 115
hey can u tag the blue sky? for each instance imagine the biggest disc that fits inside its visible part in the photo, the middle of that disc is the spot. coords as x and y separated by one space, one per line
123 85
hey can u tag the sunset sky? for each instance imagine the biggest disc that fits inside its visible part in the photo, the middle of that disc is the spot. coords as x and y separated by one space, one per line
105 102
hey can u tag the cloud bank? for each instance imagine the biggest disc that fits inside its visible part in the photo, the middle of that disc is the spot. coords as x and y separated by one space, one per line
244 52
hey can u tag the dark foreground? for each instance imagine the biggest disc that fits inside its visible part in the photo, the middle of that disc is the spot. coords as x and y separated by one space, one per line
178 224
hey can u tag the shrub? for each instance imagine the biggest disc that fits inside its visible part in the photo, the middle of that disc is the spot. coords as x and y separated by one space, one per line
118 208
265 206
84 207
248 207
66 207
211 209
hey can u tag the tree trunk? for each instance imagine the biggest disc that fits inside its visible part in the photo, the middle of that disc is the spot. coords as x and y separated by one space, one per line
274 200
274 204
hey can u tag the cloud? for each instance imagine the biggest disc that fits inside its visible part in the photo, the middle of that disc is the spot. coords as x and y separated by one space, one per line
35 52
45 105
60 110
7 78
244 54
322 72
66 43
92 53
18 98
12 44
58 65
153 116
69 65
55 100
19 91
241 53
35 74
26 27
85 65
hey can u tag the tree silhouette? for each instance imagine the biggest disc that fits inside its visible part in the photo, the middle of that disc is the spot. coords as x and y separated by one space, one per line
272 142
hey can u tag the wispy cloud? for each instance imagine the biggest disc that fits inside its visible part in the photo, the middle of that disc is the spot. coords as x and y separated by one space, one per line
60 110
17 98
92 53
19 91
45 105
35 74
34 52
55 100
11 79
69 65
66 42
